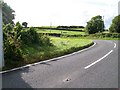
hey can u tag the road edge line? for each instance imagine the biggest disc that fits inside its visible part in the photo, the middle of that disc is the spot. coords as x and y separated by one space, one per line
115 45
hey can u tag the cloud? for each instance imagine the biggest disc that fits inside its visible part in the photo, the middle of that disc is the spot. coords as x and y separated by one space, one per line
63 12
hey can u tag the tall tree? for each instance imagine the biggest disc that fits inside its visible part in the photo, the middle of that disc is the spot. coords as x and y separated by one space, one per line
96 24
8 13
115 26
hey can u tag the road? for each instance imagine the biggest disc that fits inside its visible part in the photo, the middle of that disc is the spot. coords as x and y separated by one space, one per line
96 67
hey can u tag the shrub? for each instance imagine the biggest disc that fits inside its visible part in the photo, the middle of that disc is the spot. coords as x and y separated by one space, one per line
12 55
12 44
15 37
30 36
44 40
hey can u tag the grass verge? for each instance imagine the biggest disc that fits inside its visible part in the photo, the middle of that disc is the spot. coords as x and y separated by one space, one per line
62 46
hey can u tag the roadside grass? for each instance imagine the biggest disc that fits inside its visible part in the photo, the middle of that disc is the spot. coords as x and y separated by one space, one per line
61 46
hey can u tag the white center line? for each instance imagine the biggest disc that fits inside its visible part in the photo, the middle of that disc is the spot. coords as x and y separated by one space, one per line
115 45
98 60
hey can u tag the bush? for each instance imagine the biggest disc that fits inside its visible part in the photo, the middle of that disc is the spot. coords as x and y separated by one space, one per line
12 55
30 36
15 37
12 44
44 40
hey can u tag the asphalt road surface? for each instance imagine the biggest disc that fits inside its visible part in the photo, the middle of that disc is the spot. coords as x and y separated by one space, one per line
96 67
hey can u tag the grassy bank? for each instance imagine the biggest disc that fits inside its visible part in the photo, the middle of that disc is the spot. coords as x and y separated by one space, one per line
61 46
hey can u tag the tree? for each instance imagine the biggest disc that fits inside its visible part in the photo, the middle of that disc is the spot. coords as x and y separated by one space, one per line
25 24
95 25
115 26
8 14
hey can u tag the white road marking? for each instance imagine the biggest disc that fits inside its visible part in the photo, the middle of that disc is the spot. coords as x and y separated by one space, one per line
98 60
115 45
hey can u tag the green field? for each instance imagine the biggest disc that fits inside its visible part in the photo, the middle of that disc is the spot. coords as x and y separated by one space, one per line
64 32
55 27
48 26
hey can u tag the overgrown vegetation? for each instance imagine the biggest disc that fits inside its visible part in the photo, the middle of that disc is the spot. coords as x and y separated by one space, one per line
15 37
12 44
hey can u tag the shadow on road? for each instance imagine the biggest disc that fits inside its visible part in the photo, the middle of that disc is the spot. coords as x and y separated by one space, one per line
15 79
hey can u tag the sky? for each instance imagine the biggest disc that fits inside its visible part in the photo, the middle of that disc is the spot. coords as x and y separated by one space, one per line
62 12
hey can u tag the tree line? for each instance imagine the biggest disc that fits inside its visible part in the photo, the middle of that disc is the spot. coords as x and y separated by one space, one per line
96 25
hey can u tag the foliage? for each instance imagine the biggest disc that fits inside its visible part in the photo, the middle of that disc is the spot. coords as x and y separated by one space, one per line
104 35
115 26
12 44
96 24
30 36
15 38
25 24
8 14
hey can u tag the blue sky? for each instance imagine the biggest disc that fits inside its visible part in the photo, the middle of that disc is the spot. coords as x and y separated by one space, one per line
63 12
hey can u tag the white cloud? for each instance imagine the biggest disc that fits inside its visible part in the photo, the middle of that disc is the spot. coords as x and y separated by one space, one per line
62 12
